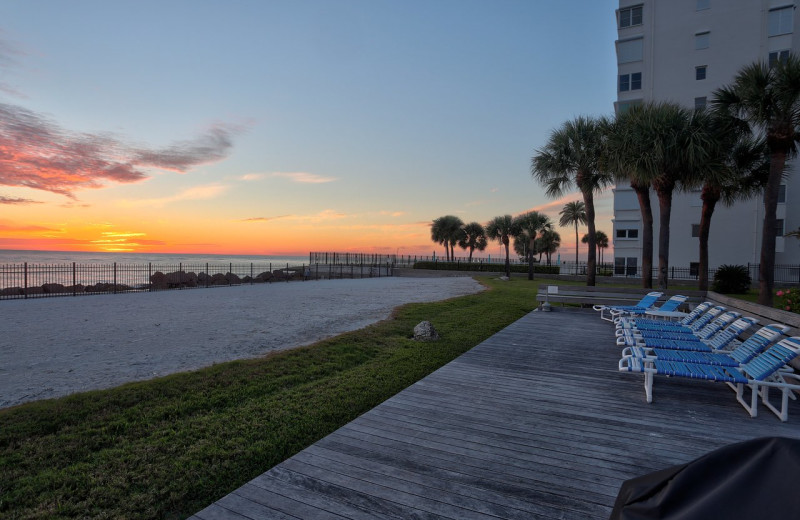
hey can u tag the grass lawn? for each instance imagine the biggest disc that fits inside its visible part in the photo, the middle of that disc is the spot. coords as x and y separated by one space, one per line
168 447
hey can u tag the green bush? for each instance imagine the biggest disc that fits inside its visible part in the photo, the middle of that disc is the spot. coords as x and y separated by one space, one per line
485 267
731 279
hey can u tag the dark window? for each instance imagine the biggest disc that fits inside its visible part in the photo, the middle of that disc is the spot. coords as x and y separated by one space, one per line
624 82
694 269
630 268
630 16
636 81
622 233
700 102
633 233
619 265
782 194
695 230
778 56
779 227
700 73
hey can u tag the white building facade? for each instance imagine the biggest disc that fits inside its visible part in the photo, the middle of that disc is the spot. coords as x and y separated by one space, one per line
681 51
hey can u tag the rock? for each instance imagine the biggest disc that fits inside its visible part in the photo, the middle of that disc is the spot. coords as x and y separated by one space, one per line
52 288
424 331
159 280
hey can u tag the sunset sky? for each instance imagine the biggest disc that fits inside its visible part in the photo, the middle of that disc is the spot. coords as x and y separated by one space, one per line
283 127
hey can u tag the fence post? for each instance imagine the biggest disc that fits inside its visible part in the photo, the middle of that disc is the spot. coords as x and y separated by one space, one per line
115 278
180 276
150 277
25 277
207 275
251 273
74 277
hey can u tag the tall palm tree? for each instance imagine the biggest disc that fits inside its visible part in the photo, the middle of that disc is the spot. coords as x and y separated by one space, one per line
602 242
769 100
573 213
619 156
548 243
474 237
528 226
447 231
738 170
501 229
670 145
572 159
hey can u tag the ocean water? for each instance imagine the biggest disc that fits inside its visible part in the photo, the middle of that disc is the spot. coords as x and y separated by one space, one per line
9 256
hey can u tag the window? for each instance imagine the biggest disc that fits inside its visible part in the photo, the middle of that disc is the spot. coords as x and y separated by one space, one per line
630 16
703 4
778 56
627 233
630 82
781 21
623 106
700 102
782 194
633 233
695 230
702 40
779 227
700 72
629 51
625 266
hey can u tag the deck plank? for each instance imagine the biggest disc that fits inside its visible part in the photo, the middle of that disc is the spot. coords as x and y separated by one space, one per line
535 422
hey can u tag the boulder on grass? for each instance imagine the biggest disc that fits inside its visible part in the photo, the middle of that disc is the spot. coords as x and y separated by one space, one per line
424 331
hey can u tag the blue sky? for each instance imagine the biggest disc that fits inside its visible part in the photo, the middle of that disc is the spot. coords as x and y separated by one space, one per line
288 126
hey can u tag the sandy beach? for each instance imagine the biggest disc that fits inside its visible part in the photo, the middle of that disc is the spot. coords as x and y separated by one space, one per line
53 347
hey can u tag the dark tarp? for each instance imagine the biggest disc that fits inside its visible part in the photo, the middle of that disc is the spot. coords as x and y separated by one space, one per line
756 479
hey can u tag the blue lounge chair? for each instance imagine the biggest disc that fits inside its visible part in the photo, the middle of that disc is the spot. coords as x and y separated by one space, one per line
740 354
632 321
667 326
616 310
760 375
664 339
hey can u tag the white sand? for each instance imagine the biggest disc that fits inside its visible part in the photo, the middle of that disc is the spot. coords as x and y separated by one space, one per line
52 347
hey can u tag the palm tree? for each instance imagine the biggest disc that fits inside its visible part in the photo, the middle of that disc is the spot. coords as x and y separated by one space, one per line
474 237
769 100
620 156
548 243
739 170
670 145
501 229
572 159
602 242
573 213
447 231
528 226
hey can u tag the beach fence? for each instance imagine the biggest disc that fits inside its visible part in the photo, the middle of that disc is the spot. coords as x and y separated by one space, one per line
28 280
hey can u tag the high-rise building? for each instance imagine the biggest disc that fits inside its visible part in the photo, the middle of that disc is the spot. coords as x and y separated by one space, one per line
681 51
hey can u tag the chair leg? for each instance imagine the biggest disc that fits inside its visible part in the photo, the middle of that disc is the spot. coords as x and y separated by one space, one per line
648 386
752 406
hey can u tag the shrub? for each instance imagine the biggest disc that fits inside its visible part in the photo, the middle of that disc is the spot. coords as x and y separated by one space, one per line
477 265
789 300
731 279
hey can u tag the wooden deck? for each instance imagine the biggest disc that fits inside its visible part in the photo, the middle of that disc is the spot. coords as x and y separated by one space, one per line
535 422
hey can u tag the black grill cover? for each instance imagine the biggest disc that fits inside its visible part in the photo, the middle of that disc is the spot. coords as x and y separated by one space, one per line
756 479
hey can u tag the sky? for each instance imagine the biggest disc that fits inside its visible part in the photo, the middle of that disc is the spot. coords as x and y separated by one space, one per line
282 127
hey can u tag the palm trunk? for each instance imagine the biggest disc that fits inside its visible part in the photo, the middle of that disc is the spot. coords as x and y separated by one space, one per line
665 213
471 249
710 197
766 276
508 263
576 247
643 194
591 260
530 257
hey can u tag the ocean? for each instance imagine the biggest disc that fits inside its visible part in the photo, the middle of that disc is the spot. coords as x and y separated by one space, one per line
10 256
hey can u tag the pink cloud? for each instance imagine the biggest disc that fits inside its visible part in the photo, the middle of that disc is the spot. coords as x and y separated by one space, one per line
37 153
17 200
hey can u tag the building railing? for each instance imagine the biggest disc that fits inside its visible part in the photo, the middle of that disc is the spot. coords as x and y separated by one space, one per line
29 280
785 274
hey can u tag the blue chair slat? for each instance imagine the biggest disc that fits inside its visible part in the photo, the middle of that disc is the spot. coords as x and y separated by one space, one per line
672 344
689 356
767 363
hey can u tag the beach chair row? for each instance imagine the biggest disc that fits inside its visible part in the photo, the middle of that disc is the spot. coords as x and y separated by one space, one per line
706 344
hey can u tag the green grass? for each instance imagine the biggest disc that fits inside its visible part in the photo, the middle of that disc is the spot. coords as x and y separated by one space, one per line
168 447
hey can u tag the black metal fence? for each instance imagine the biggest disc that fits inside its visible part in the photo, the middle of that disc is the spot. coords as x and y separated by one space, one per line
28 280
784 274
